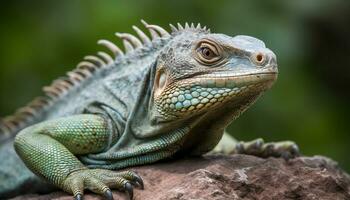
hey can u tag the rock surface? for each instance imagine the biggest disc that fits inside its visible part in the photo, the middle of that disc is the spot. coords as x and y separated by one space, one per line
236 177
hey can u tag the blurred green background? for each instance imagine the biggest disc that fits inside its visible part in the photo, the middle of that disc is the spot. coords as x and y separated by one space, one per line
41 40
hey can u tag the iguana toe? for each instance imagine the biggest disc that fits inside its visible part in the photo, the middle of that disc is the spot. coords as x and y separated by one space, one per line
254 147
283 149
101 181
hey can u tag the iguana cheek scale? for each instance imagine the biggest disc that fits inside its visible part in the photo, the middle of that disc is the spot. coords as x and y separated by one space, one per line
202 94
165 96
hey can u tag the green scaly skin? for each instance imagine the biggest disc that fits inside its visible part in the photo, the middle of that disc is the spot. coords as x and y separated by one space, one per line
168 96
50 149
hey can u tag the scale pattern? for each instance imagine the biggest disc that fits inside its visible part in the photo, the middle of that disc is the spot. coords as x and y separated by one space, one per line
48 148
196 97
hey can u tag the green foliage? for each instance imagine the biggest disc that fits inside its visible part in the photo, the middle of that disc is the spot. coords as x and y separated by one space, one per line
41 40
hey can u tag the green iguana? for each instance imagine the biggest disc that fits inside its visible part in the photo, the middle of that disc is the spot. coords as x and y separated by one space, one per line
166 96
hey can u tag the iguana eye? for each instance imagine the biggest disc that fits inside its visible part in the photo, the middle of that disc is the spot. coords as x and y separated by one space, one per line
207 53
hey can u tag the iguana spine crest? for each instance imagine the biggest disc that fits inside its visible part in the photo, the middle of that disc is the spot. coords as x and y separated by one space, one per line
91 64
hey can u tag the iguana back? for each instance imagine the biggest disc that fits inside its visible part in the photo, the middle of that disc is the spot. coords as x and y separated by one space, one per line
98 79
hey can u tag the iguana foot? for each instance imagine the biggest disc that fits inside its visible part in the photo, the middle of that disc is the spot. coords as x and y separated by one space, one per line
284 149
101 181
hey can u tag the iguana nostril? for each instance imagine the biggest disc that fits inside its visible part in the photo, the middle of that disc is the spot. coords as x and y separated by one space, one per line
259 58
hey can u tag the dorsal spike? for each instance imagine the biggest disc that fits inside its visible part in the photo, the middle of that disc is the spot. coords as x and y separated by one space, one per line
187 26
106 57
4 129
111 46
61 83
52 92
160 30
86 65
68 81
128 46
142 35
180 27
21 118
27 110
96 60
153 33
173 28
198 26
83 72
134 41
75 76
65 81
58 88
204 28
10 122
10 125
192 25
39 101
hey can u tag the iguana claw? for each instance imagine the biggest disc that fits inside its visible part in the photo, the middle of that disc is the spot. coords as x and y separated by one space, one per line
108 194
139 182
129 190
78 197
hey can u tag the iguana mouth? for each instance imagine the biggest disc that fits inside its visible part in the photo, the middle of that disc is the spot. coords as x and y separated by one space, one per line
211 90
235 80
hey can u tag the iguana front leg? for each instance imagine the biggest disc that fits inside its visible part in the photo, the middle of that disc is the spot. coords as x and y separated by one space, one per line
48 149
257 147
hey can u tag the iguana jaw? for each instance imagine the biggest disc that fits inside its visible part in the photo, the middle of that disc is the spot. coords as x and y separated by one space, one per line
205 92
209 122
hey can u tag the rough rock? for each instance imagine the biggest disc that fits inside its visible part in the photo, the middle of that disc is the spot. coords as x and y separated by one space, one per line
236 177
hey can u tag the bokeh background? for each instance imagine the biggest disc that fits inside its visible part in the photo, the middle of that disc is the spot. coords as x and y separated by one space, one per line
41 40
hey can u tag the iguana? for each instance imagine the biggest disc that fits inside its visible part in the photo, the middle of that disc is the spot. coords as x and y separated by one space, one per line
166 96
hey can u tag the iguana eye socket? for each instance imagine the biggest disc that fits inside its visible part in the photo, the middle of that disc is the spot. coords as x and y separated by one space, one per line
207 53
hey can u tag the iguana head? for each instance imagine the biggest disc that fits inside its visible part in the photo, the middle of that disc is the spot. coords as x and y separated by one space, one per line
199 72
